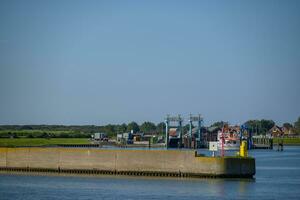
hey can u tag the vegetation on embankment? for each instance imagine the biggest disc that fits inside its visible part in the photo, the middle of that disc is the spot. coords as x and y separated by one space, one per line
43 134
17 142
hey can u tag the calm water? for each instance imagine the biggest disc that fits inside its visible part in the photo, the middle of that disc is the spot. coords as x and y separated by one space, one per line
277 177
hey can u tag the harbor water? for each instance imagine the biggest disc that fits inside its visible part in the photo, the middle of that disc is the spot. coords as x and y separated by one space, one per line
277 177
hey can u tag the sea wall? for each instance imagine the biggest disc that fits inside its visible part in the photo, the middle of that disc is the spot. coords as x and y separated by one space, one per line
130 162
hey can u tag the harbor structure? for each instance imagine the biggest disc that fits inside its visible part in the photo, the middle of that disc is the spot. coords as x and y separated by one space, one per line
197 130
174 132
262 142
173 122
175 163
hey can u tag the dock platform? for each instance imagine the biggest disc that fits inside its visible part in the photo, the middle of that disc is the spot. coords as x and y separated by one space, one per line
174 163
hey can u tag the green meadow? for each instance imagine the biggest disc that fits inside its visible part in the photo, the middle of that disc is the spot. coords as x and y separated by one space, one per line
42 134
288 141
17 142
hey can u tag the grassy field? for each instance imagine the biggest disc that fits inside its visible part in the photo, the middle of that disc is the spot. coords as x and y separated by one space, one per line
288 141
31 133
25 132
42 134
41 141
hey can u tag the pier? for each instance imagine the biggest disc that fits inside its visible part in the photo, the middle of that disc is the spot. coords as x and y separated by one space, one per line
125 162
262 142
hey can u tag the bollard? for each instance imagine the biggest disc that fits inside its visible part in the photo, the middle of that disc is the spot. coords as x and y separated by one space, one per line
243 149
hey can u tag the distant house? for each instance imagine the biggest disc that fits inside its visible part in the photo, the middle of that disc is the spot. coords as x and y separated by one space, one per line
276 131
100 137
137 137
119 137
288 131
126 138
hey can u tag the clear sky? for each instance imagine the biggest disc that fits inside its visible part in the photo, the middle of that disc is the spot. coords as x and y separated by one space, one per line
99 62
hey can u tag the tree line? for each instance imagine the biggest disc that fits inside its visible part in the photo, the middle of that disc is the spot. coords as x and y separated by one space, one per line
84 131
76 131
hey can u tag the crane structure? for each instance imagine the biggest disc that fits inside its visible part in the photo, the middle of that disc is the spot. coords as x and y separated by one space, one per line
199 121
173 122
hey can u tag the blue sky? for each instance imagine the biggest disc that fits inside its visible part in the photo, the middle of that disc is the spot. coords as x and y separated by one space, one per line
99 62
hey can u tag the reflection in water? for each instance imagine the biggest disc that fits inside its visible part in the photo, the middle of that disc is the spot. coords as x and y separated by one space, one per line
220 188
245 186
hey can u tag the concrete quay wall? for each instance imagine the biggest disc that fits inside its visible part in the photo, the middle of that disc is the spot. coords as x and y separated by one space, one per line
130 162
